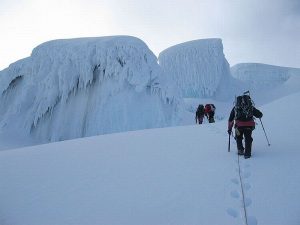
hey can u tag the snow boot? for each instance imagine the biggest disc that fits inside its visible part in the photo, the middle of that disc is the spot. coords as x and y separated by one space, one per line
240 151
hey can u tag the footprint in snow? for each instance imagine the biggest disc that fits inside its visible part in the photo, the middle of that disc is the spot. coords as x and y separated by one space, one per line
234 194
246 175
247 186
248 202
232 212
246 166
235 181
252 220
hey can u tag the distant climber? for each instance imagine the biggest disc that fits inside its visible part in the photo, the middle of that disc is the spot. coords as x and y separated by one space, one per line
241 117
200 114
210 112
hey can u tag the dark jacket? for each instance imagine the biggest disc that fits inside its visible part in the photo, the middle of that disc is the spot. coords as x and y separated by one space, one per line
243 123
200 111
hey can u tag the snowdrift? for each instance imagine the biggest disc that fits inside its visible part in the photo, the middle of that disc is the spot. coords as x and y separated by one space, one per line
87 86
199 69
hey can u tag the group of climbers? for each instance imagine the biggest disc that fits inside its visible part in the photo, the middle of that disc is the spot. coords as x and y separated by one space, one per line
208 111
241 119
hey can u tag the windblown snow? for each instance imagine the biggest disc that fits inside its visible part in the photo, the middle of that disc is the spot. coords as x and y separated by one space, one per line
81 87
198 67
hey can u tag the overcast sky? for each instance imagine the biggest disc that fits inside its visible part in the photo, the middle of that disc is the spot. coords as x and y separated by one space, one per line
265 31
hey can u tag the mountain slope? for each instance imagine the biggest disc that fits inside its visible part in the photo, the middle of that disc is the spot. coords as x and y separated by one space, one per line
181 175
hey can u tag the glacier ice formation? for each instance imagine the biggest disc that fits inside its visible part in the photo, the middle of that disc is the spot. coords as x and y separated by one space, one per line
86 86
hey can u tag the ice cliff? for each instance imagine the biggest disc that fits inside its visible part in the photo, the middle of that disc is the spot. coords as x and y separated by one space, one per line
199 68
87 86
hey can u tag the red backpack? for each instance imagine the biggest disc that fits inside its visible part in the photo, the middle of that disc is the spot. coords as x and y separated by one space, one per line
209 108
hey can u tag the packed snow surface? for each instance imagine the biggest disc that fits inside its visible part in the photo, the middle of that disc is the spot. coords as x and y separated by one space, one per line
179 175
87 86
198 67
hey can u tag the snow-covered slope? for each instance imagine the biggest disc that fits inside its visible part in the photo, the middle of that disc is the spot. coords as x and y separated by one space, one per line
199 68
269 81
181 175
81 87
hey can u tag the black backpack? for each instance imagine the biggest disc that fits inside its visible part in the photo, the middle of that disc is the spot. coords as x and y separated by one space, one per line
243 108
200 110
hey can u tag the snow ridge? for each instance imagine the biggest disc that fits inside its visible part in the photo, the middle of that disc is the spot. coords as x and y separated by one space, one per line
270 81
258 75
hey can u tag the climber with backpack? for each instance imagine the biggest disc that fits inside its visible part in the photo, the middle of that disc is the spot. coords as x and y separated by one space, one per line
210 112
200 114
241 117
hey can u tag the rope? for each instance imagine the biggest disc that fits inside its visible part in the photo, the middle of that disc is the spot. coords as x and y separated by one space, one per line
242 188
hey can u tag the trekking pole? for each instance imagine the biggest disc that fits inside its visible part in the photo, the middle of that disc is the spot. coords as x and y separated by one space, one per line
265 132
228 142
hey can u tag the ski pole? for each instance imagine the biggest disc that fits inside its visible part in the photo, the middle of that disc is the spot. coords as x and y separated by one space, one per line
228 142
265 132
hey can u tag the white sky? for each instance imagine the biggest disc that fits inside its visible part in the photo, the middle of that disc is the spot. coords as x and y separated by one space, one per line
266 31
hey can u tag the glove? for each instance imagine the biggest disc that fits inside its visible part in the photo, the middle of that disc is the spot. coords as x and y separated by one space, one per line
229 131
260 115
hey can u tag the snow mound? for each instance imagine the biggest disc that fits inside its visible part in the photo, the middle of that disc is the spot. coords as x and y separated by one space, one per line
198 67
86 86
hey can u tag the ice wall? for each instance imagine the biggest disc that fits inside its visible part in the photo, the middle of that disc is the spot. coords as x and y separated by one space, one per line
82 87
198 67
